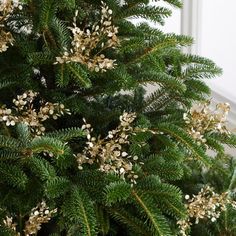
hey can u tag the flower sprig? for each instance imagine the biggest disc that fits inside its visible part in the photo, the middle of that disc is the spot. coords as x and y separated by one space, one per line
100 37
25 112
8 222
39 215
201 120
206 205
110 153
6 8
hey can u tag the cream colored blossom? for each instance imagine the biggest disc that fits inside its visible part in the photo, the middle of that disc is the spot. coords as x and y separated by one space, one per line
6 8
25 112
100 37
110 153
206 205
8 222
39 215
201 120
6 39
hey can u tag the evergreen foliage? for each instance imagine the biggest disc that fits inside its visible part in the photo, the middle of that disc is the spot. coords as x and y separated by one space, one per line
165 157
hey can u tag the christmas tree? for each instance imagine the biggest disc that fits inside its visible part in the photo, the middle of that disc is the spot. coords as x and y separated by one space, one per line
83 149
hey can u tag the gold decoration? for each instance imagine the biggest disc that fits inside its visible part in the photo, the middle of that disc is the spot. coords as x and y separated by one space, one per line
6 8
26 112
8 222
5 39
205 205
101 36
201 120
39 215
110 153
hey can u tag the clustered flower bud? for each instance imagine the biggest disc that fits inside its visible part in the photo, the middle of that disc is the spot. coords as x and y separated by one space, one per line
39 215
110 153
201 120
6 8
100 37
25 112
205 205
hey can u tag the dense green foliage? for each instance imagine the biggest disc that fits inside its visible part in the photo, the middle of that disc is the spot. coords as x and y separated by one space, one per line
90 202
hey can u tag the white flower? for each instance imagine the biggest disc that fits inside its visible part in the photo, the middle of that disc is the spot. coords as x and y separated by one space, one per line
13 122
122 170
187 197
46 212
124 154
36 213
213 219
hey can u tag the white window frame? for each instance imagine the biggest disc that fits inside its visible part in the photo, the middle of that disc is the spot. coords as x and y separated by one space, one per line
191 21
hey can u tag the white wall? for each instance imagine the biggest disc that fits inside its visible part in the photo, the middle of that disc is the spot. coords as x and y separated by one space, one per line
218 42
211 23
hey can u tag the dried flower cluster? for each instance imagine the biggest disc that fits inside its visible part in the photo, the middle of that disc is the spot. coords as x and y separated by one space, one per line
8 222
201 119
25 112
205 205
100 37
5 39
109 153
6 8
39 215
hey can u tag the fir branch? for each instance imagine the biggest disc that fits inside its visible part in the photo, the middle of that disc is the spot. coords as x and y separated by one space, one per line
158 222
79 209
214 144
79 75
66 134
46 144
10 142
184 138
153 13
129 220
41 168
156 46
9 155
57 186
117 192
13 175
62 76
163 79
